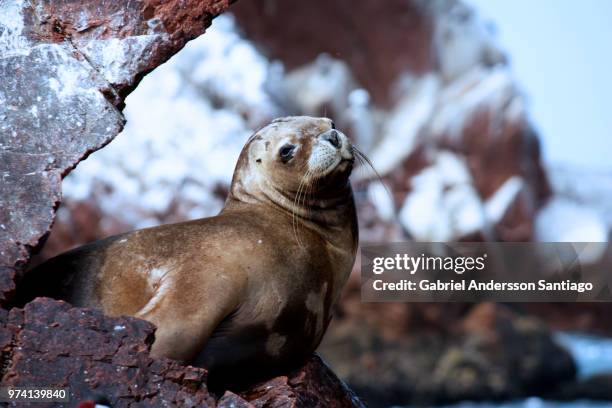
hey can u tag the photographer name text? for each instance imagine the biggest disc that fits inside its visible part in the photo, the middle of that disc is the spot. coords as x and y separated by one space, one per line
478 286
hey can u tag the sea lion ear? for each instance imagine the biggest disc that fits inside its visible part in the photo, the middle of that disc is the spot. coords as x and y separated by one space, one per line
283 119
257 150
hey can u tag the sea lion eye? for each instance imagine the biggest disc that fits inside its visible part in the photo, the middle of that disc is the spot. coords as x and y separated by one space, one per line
286 152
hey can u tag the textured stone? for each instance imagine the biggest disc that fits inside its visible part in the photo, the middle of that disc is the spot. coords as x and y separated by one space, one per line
50 343
65 68
313 385
231 400
53 344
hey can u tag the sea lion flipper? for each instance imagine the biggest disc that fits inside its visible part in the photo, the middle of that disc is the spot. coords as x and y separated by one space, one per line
183 331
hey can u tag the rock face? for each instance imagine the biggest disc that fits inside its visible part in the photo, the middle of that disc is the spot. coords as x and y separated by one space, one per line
48 342
314 385
66 67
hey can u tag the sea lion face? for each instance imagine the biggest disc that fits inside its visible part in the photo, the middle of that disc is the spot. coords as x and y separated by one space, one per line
294 152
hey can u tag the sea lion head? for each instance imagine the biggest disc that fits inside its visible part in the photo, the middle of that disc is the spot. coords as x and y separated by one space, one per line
292 155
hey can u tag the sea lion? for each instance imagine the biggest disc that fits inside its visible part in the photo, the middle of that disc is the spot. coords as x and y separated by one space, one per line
252 287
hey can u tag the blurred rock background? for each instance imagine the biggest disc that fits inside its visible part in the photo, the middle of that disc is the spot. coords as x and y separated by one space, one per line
423 88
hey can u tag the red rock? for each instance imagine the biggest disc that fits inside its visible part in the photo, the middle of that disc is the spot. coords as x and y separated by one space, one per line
231 400
93 354
313 385
53 344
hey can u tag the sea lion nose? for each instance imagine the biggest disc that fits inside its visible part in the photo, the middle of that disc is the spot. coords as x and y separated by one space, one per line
332 137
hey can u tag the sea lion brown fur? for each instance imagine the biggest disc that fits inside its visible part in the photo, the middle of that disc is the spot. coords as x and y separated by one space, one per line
252 287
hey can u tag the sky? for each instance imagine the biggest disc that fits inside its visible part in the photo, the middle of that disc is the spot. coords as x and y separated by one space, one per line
561 54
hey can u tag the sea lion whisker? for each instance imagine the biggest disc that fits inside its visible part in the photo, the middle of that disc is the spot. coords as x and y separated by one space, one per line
296 206
365 161
308 195
306 191
294 210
